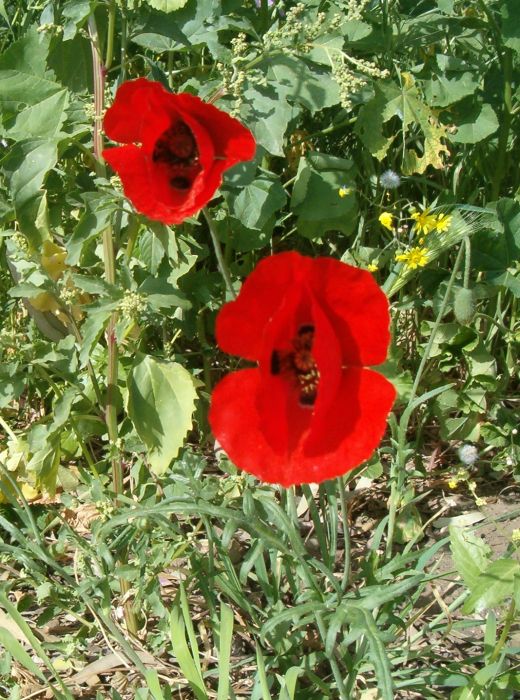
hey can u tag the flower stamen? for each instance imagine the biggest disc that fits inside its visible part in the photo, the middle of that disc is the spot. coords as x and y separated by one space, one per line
300 364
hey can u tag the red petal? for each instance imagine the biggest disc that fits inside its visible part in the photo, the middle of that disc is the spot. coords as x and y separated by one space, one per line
141 112
356 307
232 141
147 188
242 323
340 441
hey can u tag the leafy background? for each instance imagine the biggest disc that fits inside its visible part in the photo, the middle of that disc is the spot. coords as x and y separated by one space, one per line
390 582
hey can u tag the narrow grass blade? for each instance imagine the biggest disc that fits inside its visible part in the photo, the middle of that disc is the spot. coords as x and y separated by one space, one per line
224 654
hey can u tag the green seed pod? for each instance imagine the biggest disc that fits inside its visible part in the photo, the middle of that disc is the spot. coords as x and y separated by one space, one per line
464 306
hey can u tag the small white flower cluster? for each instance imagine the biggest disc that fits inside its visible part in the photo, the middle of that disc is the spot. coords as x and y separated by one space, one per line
132 305
351 78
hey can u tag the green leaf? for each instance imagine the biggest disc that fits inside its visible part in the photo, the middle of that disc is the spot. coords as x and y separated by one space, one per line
161 401
160 294
470 554
511 24
41 120
24 76
257 202
267 114
13 646
475 125
225 633
362 619
91 330
26 167
404 102
96 218
167 5
493 585
309 85
151 251
442 91
315 199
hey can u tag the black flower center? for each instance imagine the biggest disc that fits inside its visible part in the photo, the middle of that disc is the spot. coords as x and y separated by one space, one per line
177 149
299 363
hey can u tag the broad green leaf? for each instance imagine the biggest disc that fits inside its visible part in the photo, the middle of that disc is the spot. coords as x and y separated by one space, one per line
315 199
493 585
26 167
167 5
309 85
161 401
470 554
476 125
40 120
151 251
404 102
508 211
267 113
511 24
160 294
441 91
257 202
24 77
91 330
97 216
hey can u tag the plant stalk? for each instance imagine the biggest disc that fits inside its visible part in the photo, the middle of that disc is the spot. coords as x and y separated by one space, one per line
218 253
110 276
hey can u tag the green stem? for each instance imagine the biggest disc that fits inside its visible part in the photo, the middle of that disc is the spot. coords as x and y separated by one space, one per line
505 125
110 34
436 325
345 581
467 261
397 473
110 276
510 616
218 253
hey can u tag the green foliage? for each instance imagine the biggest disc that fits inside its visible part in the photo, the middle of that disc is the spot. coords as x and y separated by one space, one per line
241 588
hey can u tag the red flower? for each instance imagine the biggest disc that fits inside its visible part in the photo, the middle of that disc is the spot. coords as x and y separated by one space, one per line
311 410
177 148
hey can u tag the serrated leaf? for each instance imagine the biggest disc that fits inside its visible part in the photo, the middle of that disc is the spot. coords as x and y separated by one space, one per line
493 586
470 554
404 102
40 120
309 85
166 5
442 91
161 401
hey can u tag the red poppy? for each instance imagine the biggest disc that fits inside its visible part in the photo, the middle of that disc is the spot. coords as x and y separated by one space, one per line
177 148
311 410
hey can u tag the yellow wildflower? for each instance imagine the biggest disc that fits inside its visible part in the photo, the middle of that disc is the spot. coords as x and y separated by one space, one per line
453 483
424 221
387 220
372 267
344 191
443 222
413 258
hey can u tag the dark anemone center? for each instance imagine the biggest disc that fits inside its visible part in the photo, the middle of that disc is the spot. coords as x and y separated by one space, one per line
299 363
177 149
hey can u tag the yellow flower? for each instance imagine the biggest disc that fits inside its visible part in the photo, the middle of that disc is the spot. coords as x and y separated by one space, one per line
413 258
372 267
453 483
443 222
387 220
344 191
424 221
